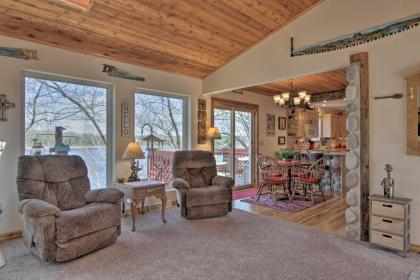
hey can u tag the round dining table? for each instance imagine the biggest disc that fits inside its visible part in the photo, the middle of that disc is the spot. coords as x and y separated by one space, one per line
290 164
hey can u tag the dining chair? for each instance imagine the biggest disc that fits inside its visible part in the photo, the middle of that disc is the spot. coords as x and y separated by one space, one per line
310 177
272 176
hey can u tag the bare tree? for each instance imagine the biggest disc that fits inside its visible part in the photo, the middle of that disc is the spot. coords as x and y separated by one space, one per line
164 114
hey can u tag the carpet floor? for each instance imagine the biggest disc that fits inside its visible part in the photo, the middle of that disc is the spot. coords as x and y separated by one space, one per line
239 246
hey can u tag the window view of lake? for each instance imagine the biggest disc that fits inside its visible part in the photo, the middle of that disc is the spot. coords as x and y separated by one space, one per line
67 118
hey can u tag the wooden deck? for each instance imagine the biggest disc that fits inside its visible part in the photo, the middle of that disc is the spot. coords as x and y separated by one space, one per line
327 216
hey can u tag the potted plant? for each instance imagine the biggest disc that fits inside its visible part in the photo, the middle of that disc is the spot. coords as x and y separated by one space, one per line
286 155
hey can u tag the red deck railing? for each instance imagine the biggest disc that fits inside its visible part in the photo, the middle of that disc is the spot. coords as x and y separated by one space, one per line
160 167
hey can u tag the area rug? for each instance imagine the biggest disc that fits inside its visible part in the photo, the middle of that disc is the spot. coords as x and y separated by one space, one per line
297 204
238 246
244 193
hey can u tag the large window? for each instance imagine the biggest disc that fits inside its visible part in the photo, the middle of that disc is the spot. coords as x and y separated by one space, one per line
167 116
67 116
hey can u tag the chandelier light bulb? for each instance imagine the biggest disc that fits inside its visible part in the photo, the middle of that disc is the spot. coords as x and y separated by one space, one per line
307 99
282 102
286 96
296 100
302 94
277 98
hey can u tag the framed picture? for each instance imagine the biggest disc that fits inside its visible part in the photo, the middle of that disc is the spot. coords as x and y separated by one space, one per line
125 120
281 140
282 123
270 124
202 119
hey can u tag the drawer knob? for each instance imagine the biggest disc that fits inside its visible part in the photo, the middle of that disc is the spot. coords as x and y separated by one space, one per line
386 221
387 205
386 235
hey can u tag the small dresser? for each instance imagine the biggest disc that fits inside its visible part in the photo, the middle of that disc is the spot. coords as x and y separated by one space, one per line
390 222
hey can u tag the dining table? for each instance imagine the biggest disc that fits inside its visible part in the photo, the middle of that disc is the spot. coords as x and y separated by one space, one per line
290 164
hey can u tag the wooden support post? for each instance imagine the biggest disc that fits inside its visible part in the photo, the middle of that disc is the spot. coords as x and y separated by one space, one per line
362 59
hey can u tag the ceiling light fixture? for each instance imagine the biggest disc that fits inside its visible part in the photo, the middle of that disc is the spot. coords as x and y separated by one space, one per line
291 100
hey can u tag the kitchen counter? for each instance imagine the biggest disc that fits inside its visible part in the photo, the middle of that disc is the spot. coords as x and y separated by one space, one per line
336 159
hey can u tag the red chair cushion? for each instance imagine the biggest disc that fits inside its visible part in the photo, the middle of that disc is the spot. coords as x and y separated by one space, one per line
309 180
296 174
274 178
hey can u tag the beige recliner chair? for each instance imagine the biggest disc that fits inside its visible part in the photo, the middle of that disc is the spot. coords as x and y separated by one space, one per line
201 193
63 218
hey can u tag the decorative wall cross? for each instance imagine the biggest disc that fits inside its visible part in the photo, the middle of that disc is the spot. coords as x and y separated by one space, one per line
4 106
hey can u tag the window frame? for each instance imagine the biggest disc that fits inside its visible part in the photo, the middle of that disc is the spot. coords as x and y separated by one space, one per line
110 113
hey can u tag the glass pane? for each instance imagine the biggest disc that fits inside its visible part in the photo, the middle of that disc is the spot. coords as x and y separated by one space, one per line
66 118
243 146
165 116
222 147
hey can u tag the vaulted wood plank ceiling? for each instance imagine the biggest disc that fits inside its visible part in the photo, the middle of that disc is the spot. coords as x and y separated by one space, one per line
189 37
317 83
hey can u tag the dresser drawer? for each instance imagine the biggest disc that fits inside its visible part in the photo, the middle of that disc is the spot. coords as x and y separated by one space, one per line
387 224
387 209
388 240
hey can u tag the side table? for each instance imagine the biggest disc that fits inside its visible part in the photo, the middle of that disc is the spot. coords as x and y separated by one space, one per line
136 192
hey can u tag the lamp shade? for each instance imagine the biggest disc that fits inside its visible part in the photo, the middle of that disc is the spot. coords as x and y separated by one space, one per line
2 145
133 151
213 133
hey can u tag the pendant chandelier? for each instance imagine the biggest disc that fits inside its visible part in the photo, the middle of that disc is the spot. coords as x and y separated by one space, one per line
291 100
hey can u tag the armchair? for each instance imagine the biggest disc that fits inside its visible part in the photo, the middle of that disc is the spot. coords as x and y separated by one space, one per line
63 218
201 193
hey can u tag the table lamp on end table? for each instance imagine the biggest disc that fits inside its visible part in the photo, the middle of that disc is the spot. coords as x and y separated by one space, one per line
134 152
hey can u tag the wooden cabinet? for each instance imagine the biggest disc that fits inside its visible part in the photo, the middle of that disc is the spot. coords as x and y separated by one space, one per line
304 124
333 126
390 222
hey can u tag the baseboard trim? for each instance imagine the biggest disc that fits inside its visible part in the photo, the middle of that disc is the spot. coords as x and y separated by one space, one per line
10 235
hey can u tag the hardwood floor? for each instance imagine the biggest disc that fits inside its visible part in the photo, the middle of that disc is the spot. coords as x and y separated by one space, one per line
327 216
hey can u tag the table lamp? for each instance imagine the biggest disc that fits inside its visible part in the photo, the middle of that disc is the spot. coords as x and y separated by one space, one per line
134 152
213 133
2 146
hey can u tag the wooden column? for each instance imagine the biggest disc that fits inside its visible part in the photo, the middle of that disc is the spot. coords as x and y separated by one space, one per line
362 59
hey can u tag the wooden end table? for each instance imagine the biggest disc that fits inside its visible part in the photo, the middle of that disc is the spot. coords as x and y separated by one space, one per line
136 192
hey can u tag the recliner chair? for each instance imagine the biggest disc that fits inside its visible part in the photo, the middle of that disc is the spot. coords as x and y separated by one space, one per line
63 218
201 193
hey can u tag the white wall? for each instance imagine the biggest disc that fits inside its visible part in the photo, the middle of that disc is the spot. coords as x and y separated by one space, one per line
389 60
62 62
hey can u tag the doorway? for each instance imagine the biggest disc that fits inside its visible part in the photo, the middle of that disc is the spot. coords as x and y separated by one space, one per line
235 150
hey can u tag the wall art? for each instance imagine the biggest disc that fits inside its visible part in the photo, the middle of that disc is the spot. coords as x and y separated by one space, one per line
202 120
125 120
358 38
118 73
281 140
19 53
5 104
270 124
282 123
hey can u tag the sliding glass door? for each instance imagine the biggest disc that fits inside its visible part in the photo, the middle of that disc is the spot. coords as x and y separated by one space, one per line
237 129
